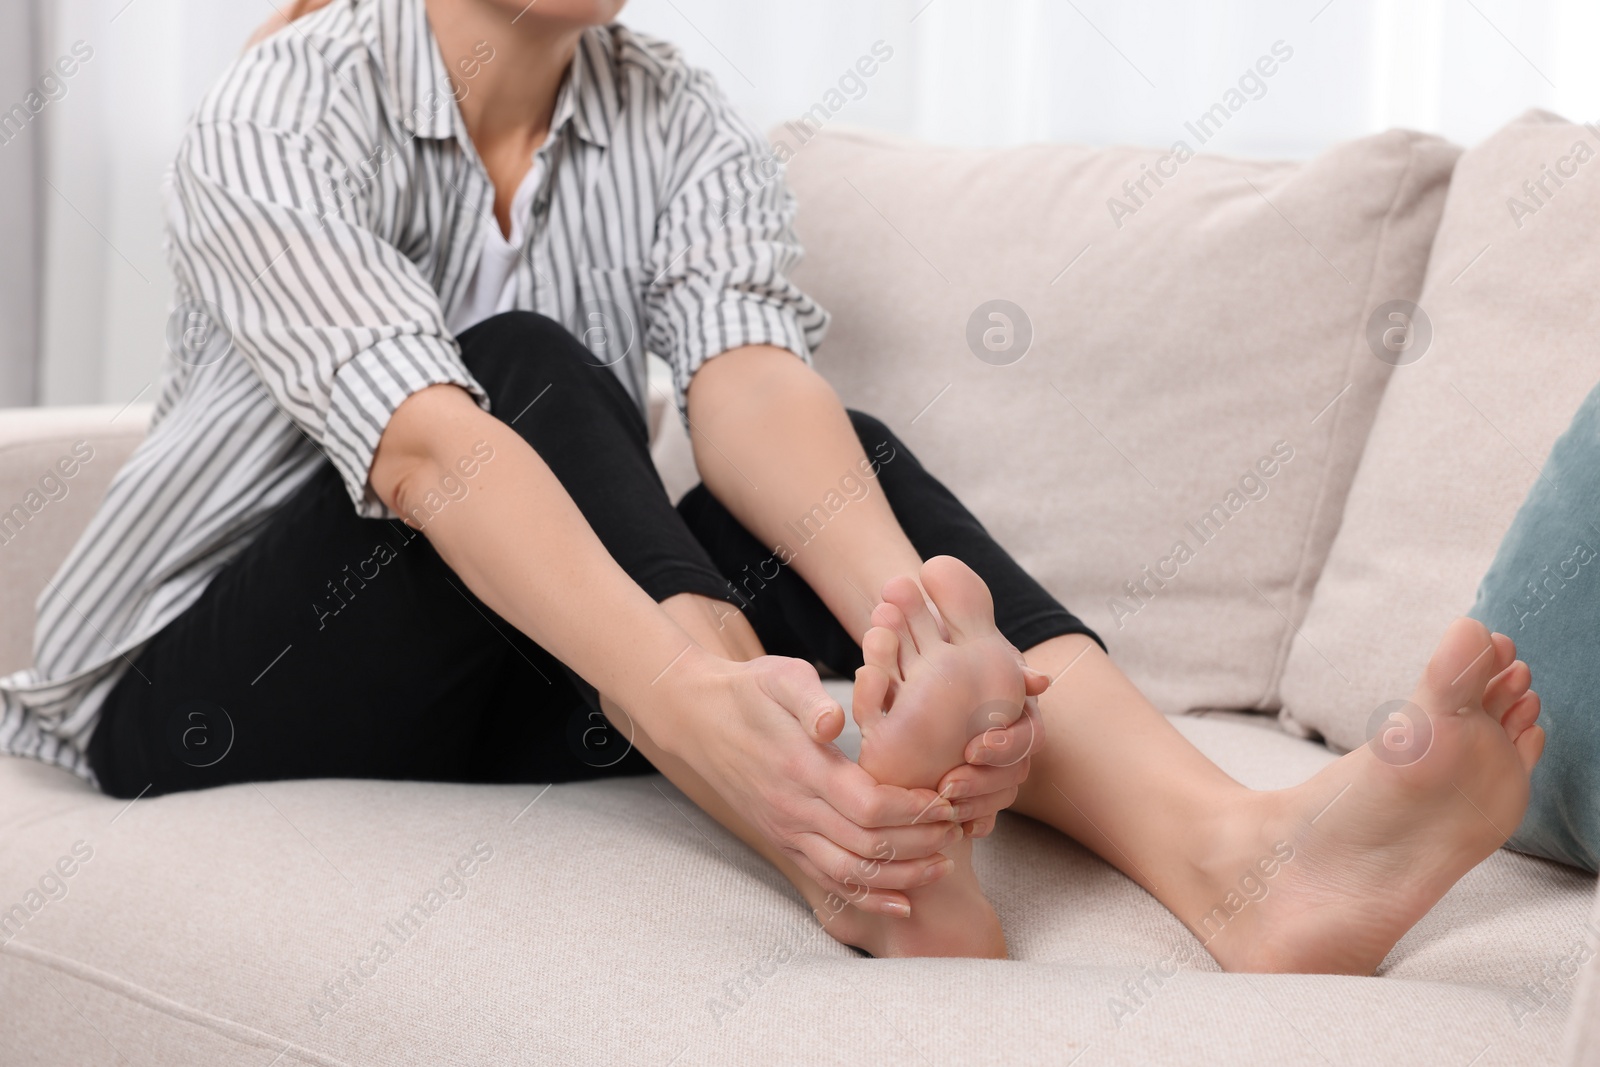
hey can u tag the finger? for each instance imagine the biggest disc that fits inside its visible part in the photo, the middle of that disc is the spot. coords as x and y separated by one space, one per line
986 806
906 595
1002 746
841 896
797 688
877 901
969 781
828 724
847 868
858 797
1034 682
982 827
890 842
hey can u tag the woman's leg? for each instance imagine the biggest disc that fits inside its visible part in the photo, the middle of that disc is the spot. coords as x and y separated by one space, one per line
338 647
334 646
921 740
1372 841
1322 877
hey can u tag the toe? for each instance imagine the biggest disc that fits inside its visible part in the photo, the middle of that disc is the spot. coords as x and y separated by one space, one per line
904 594
1521 715
1530 746
961 597
1505 651
893 619
870 698
1506 689
880 648
1459 669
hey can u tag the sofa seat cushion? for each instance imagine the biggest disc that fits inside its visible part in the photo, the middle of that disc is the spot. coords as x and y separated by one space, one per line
613 922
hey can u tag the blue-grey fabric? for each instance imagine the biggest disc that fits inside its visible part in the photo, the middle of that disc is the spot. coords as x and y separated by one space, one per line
1543 590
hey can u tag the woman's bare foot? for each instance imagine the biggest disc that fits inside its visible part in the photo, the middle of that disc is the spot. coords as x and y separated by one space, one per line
1326 877
919 699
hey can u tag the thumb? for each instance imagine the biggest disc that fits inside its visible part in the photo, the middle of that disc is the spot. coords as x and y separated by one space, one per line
794 684
1034 682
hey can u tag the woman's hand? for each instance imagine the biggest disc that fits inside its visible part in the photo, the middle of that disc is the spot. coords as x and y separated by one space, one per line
997 759
997 764
739 725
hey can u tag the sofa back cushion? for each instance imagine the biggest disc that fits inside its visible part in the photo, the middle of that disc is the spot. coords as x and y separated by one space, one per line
55 465
1463 431
1148 375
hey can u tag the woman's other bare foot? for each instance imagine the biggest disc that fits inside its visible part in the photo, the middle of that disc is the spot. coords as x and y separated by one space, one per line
922 695
1336 870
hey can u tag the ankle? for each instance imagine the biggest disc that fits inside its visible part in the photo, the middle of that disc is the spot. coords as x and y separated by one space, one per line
1230 844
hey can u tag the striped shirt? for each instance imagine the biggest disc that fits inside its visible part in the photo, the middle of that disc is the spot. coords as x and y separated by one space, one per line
326 213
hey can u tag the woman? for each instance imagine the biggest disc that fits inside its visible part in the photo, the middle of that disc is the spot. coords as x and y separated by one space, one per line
407 213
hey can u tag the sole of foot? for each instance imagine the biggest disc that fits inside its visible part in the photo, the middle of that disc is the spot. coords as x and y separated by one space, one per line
929 685
1327 877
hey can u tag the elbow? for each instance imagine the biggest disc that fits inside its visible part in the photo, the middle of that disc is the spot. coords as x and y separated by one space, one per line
412 466
752 384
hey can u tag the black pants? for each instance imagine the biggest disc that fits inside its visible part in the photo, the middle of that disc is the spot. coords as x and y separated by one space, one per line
340 647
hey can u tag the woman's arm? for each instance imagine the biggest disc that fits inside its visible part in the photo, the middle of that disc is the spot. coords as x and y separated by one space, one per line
517 540
772 442
268 228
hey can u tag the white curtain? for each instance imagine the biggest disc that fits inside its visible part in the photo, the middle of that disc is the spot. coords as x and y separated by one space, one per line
962 71
20 237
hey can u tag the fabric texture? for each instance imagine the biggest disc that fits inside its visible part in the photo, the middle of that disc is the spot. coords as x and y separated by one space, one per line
325 212
1462 430
1543 592
490 287
1151 362
612 922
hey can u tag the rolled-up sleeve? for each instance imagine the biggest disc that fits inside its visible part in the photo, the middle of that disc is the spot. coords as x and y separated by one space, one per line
337 323
724 244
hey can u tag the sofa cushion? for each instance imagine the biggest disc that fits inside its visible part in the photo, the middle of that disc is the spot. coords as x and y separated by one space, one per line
1463 430
55 465
612 922
1541 589
1194 373
1582 1046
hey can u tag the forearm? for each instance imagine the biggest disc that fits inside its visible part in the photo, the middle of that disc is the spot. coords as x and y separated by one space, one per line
515 538
775 446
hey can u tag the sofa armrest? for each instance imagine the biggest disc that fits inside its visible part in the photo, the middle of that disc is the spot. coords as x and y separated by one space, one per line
55 465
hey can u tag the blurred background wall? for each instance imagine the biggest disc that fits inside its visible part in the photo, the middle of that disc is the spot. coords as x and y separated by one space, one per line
84 288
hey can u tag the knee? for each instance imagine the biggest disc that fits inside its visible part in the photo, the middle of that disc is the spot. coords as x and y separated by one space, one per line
517 339
517 355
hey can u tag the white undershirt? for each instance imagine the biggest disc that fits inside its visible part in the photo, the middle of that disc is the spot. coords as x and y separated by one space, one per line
491 287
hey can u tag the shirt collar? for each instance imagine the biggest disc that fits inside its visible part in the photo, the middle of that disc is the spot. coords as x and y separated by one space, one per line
419 82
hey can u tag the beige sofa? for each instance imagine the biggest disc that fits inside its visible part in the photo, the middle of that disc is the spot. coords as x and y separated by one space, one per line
1165 342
